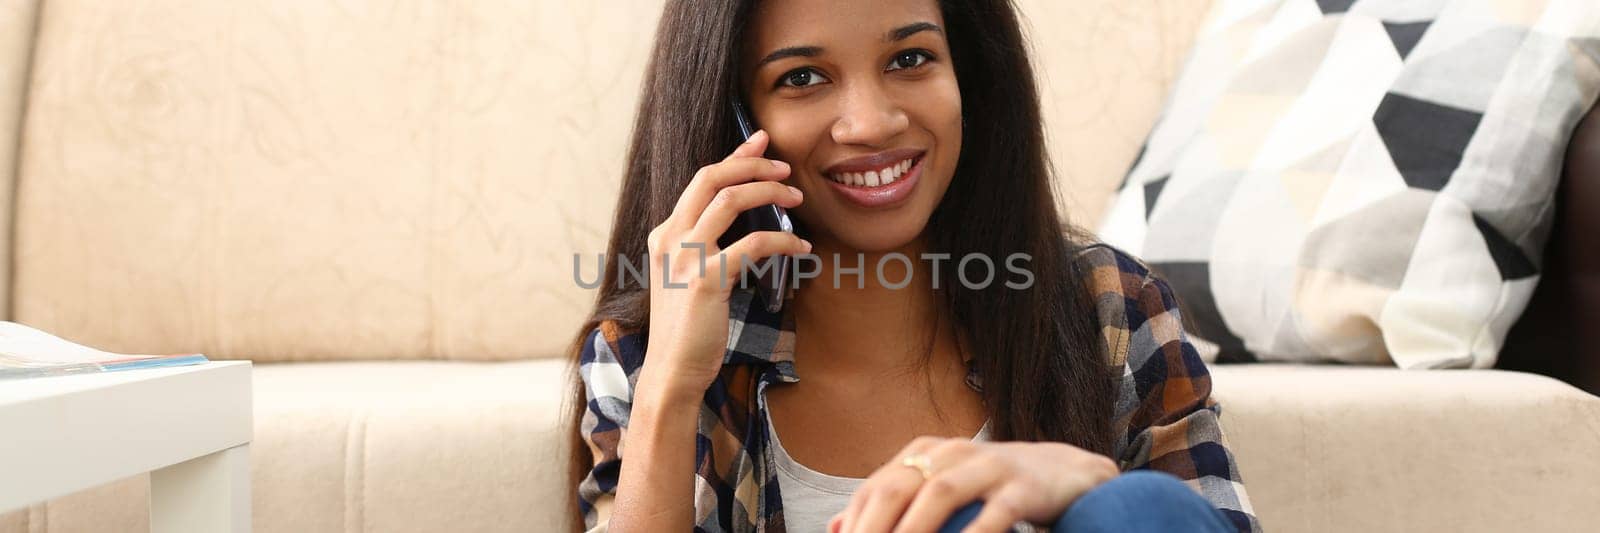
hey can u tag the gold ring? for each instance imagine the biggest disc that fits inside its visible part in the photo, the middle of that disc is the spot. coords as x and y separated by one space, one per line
919 462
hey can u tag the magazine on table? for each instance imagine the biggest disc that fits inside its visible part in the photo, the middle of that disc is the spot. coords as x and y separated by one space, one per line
26 352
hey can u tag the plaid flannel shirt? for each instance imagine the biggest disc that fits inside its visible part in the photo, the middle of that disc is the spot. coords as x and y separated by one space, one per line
1165 418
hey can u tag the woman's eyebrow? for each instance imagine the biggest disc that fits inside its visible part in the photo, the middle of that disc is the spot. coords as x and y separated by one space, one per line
897 34
792 51
908 30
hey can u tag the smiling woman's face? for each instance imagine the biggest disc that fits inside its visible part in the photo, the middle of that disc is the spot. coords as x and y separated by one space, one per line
860 98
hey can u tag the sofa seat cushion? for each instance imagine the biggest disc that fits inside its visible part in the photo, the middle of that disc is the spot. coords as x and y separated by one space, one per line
413 446
1329 448
409 446
479 447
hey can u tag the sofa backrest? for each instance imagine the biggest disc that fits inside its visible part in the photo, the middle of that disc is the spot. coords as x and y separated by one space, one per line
17 19
400 179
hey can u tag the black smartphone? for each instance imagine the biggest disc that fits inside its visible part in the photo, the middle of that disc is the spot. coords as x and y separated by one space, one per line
773 274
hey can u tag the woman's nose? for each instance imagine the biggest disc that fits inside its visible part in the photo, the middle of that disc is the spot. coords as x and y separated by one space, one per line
868 116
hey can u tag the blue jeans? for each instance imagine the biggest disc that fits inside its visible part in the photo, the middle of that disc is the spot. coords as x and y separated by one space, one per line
1137 501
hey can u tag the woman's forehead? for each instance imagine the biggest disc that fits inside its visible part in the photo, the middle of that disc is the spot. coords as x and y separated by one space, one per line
784 23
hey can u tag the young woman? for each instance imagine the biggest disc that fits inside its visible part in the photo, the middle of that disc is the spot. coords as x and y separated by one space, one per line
894 129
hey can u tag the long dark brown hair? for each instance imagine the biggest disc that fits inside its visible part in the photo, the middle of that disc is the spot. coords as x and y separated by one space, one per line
1046 376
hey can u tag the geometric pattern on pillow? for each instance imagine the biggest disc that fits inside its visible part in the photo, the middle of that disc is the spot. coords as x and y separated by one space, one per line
1361 181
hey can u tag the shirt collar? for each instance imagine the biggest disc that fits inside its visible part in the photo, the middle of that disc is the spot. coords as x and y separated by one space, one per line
758 336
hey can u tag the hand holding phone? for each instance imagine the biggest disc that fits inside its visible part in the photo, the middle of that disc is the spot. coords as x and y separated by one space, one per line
689 288
773 273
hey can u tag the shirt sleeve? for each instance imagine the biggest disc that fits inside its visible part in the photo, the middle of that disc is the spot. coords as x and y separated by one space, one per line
609 372
1174 425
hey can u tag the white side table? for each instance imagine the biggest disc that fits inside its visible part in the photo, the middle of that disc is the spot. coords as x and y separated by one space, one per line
188 426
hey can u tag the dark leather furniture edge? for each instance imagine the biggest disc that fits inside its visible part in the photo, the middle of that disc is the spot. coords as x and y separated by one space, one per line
1559 334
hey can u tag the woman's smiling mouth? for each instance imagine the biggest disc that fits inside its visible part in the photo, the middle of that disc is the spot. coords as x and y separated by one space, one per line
873 178
879 180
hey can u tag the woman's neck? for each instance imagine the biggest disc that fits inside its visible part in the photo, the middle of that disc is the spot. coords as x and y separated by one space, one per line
852 321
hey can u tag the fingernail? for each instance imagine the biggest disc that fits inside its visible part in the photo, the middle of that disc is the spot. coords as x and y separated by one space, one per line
754 136
794 191
779 164
807 245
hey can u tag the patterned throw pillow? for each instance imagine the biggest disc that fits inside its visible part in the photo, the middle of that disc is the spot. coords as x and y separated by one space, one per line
1363 181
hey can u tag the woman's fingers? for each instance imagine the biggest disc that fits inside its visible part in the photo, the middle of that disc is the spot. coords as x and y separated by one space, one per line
886 501
744 165
883 497
845 521
997 516
729 202
950 489
752 147
1033 481
713 178
753 248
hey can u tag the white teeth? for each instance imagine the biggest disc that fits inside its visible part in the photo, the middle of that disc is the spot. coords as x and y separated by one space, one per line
873 178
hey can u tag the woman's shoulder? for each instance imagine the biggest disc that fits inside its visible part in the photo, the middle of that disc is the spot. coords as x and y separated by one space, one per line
612 347
1137 312
1109 269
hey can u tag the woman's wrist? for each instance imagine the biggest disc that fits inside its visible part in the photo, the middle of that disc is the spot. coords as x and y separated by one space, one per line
658 475
665 388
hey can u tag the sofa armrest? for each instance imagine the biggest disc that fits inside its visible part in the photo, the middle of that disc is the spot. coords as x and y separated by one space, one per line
1559 333
1579 219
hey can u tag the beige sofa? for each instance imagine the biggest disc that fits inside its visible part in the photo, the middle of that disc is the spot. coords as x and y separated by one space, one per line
379 203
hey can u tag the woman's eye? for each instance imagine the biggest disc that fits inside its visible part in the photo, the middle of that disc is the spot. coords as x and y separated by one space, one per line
800 78
909 59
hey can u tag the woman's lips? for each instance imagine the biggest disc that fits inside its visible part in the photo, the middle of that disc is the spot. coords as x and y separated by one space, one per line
882 195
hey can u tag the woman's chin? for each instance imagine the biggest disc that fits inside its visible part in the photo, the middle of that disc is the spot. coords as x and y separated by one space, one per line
878 236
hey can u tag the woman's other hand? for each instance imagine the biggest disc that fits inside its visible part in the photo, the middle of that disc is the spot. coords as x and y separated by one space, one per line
1017 481
691 278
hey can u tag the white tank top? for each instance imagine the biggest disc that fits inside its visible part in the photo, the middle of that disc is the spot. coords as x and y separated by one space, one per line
811 498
